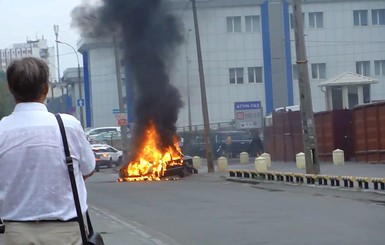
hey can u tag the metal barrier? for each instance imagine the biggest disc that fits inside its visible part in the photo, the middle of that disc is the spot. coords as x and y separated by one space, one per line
312 179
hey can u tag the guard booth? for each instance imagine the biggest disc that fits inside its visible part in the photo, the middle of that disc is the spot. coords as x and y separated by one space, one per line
347 90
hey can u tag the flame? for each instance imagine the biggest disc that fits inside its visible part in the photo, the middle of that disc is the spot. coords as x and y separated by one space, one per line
152 162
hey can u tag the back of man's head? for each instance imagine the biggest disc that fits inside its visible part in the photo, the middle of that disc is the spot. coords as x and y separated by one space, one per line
27 79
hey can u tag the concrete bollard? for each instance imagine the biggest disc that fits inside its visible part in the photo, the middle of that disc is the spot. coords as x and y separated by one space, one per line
300 160
222 165
196 162
268 159
244 157
338 157
260 164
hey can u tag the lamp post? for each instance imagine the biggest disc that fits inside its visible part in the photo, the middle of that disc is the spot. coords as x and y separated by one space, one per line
79 81
56 30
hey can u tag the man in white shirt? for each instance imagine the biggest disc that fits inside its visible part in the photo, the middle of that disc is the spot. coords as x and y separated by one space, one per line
36 200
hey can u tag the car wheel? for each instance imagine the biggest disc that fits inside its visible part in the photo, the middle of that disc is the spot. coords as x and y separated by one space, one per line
109 165
97 169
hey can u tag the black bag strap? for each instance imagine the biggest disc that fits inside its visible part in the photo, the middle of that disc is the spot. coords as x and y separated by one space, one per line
73 183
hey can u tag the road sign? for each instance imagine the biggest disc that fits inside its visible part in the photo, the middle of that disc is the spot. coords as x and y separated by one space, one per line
248 115
80 102
122 119
116 111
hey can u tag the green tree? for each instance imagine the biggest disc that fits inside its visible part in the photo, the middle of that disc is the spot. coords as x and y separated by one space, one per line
6 99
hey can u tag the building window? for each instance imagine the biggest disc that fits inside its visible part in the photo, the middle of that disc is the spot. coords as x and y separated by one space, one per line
255 74
295 71
379 67
234 24
360 17
252 23
292 20
378 16
316 20
236 75
363 68
318 71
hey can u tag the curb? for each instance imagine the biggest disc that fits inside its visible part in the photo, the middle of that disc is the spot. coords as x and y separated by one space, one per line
312 179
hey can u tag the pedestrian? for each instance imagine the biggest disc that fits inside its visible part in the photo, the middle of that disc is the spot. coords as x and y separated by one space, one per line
256 144
36 199
229 149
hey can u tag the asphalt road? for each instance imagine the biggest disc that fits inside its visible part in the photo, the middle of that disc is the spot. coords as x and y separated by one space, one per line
206 209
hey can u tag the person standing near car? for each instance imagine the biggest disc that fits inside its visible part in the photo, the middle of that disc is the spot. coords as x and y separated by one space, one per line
36 201
229 148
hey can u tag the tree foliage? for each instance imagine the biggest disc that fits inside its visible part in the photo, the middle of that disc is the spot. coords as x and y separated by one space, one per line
6 99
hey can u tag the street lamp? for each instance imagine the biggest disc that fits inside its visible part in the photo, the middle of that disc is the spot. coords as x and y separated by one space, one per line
56 30
79 81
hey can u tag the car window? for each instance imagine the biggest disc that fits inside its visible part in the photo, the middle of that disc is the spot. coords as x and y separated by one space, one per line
110 149
100 150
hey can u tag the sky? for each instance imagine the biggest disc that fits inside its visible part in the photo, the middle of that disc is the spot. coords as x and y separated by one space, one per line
35 18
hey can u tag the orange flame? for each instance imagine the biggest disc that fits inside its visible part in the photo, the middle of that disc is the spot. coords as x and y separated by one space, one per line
152 162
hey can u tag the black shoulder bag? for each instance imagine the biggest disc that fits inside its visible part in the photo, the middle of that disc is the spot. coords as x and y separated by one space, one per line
94 238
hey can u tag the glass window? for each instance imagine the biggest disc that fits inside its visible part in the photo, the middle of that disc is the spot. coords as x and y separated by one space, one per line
378 16
255 74
234 24
363 68
316 20
360 17
318 71
379 67
252 23
236 75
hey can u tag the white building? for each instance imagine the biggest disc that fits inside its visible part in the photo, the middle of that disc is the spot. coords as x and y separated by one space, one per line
36 48
249 55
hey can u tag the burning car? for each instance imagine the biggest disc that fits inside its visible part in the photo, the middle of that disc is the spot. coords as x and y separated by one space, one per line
153 162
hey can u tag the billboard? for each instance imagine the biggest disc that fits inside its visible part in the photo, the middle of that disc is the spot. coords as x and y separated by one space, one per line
248 115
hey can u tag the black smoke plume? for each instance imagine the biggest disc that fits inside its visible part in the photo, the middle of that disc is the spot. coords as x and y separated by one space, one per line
150 37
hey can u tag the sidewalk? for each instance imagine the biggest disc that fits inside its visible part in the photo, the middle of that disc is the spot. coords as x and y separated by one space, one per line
349 169
117 231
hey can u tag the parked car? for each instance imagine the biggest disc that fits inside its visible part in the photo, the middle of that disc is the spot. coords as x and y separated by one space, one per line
240 142
2 226
93 132
106 156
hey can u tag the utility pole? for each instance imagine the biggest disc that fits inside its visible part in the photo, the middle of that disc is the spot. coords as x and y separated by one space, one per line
79 81
123 128
206 122
56 30
188 84
306 106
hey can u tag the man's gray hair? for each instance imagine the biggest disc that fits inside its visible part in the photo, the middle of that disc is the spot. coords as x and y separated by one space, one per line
27 78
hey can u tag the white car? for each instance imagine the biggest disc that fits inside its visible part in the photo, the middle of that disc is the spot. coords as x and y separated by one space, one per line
106 155
93 132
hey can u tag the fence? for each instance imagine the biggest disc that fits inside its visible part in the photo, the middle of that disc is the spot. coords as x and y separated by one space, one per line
359 132
369 132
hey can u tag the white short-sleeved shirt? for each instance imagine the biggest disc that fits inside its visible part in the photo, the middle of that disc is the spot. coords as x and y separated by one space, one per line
34 181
